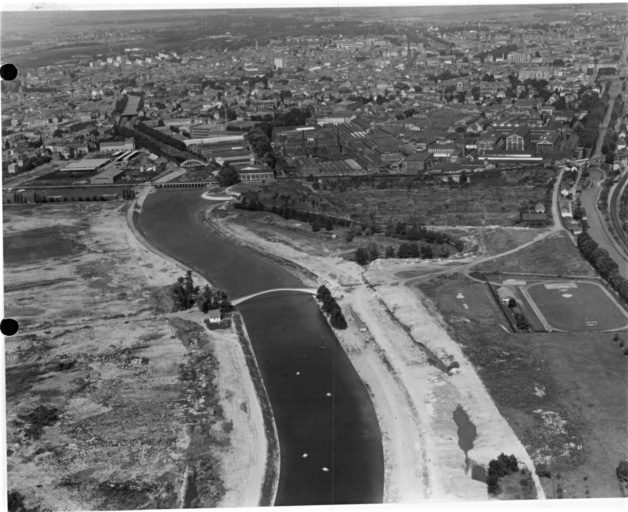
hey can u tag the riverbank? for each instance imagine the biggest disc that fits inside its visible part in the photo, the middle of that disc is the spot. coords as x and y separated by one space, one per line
413 400
244 465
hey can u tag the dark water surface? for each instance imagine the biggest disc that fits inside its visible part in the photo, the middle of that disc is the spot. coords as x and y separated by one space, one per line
289 334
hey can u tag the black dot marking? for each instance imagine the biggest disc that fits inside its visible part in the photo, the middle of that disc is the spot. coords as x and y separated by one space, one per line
9 327
8 72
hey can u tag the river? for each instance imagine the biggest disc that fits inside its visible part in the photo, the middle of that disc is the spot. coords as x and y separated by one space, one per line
320 405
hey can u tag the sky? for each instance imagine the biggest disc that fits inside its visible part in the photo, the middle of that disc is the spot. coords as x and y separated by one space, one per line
22 5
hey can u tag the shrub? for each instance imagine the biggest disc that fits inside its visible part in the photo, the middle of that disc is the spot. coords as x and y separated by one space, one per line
621 344
626 351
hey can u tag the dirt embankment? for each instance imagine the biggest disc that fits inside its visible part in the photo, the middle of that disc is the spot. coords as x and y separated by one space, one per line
110 403
413 399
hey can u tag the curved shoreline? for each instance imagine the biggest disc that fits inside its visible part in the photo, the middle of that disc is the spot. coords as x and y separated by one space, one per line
268 491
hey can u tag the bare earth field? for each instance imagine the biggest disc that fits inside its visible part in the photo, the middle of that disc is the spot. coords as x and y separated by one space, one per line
563 393
112 401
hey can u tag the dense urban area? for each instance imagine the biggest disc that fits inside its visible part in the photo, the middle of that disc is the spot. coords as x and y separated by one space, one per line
450 185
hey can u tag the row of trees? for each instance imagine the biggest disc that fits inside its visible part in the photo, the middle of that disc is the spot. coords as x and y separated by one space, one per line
254 203
365 255
331 308
161 137
18 198
588 129
603 263
148 142
412 232
609 145
121 104
128 193
185 295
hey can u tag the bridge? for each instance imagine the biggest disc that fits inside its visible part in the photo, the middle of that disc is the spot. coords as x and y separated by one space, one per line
192 163
311 291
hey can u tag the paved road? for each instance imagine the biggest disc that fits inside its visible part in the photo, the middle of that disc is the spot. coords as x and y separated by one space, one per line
595 220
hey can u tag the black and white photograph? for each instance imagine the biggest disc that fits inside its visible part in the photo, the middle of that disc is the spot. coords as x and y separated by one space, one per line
294 253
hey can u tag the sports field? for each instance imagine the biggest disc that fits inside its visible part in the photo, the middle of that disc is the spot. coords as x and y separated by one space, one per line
575 306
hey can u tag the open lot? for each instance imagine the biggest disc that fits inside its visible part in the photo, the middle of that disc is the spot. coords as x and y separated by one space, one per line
36 244
493 199
577 306
555 255
111 402
563 393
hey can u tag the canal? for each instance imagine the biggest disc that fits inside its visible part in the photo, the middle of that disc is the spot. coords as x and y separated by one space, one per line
329 438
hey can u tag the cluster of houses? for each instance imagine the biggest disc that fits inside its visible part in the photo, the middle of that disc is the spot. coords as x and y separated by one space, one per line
378 103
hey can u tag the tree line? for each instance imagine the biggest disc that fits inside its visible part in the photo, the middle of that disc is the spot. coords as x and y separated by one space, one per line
365 255
588 129
603 263
331 308
316 220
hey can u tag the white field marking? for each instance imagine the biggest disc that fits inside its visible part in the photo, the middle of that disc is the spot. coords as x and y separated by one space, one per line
567 295
560 286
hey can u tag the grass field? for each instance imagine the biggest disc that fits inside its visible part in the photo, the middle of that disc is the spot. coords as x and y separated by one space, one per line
564 394
581 306
554 255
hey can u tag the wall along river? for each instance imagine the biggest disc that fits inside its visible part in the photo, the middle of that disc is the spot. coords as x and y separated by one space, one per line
320 405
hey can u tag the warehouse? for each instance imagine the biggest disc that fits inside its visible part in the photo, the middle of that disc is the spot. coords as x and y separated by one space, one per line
86 165
107 177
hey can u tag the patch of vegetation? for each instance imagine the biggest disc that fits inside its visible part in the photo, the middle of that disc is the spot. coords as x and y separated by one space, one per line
39 418
603 263
331 307
185 295
498 468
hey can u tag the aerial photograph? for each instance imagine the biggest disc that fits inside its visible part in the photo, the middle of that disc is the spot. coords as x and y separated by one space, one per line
314 255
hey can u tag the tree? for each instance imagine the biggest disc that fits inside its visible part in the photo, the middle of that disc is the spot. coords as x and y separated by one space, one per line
228 176
212 298
329 224
390 251
184 292
350 235
337 320
362 256
622 471
315 226
512 303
